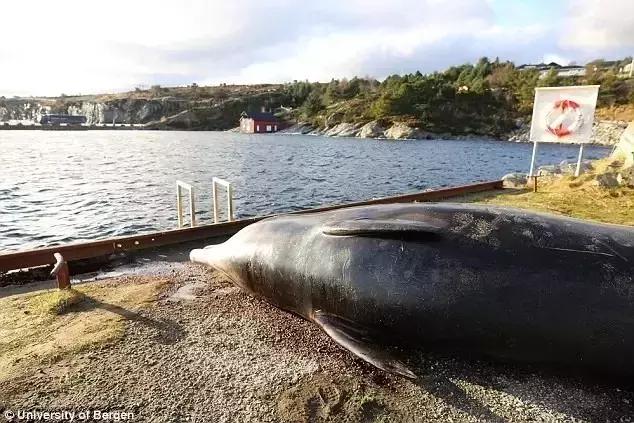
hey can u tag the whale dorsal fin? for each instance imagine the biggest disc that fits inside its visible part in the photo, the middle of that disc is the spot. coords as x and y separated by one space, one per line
383 228
357 340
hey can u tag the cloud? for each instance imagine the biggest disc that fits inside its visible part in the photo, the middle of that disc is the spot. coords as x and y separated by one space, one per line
86 47
599 25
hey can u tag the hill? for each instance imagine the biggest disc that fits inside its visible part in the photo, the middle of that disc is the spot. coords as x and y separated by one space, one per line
488 98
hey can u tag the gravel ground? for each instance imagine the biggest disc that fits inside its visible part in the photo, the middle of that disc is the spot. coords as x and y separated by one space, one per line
208 352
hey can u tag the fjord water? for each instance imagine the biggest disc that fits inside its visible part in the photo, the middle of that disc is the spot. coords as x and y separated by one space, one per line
59 186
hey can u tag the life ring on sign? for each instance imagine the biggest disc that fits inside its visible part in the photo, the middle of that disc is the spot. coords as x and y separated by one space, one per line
565 118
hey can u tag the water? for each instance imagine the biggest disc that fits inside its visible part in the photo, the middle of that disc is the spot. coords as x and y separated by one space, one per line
59 187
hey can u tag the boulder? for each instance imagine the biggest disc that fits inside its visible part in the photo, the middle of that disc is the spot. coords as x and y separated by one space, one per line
607 180
400 131
371 130
607 132
625 148
549 170
515 180
626 176
343 129
569 167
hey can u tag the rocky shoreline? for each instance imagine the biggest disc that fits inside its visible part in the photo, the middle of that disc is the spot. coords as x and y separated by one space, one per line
604 132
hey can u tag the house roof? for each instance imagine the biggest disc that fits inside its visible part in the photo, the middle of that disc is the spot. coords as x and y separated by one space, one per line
541 66
269 117
572 67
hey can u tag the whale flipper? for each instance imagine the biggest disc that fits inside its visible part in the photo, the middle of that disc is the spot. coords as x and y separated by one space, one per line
383 228
356 340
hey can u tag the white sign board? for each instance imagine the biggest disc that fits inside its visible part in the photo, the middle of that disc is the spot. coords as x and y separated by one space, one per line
564 114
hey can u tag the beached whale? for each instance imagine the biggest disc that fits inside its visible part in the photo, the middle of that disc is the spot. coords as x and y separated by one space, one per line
483 281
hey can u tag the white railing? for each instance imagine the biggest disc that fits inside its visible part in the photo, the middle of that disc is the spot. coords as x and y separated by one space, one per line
215 182
180 186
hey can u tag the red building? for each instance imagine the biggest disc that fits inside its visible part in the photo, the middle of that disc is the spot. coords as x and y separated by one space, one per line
257 123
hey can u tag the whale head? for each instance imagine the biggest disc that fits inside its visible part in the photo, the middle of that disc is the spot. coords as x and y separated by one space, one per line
253 258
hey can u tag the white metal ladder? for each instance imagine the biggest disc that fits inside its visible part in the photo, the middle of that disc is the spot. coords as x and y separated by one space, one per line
216 182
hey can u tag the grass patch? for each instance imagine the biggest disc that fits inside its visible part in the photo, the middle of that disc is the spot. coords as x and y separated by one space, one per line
43 327
578 197
55 302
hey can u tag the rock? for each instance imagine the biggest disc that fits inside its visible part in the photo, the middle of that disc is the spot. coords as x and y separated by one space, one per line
371 130
515 180
603 132
399 131
549 170
625 147
607 180
334 119
343 129
569 167
626 177
300 128
607 132
184 119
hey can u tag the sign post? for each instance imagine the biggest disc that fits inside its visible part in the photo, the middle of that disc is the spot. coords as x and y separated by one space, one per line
563 114
578 171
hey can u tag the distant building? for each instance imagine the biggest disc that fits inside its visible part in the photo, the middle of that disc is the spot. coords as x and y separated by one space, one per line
257 123
628 69
60 119
563 71
572 70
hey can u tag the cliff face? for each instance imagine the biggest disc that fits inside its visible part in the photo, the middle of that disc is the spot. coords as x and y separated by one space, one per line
21 110
131 111
212 111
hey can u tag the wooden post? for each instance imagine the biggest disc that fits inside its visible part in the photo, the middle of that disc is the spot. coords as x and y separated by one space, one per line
61 272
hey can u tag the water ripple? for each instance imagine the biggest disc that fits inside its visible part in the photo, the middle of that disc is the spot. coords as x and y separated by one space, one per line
58 187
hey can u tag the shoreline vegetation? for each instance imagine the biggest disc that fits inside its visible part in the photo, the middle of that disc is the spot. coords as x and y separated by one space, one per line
489 99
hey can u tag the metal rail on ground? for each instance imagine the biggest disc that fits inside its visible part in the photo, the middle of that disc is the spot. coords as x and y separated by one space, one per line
85 250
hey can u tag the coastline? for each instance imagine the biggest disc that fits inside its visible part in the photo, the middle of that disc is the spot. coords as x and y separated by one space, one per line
605 133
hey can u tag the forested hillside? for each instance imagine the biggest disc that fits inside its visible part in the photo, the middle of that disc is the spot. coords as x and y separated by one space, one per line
487 98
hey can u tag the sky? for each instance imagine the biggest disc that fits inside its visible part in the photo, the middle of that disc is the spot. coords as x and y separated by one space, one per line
87 47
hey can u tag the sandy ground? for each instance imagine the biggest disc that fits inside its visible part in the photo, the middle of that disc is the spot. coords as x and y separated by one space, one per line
208 352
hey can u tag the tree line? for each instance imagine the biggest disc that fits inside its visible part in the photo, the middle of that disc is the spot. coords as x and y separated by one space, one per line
486 97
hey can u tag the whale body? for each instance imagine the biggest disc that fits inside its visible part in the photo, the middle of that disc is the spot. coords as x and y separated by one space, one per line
482 281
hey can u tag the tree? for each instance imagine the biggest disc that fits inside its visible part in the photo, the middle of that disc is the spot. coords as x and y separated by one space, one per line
551 79
314 103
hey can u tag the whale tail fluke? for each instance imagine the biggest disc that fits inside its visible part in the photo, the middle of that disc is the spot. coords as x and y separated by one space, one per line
356 340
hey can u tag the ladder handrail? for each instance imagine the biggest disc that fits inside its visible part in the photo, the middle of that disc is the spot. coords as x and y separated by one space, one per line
214 183
180 185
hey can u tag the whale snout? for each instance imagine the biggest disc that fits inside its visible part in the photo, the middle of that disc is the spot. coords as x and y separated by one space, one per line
199 255
212 255
221 257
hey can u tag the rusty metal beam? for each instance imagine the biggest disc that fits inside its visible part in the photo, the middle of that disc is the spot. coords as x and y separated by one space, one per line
72 252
